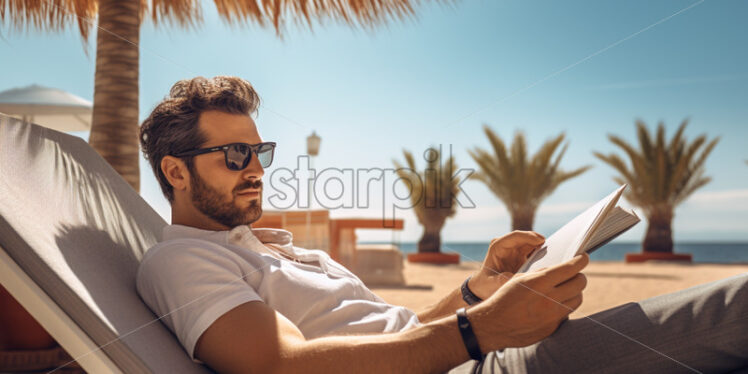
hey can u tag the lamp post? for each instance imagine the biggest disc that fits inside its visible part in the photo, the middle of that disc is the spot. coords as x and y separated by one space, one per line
312 149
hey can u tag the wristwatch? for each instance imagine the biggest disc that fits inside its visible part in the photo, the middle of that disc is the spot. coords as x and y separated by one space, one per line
467 295
468 336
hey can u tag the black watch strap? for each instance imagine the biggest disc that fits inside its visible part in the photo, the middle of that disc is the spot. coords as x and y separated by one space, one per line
467 295
468 336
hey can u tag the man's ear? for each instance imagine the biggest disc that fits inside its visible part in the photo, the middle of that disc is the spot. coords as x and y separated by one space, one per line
176 172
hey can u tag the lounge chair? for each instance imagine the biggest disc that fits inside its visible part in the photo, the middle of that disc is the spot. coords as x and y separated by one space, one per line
72 233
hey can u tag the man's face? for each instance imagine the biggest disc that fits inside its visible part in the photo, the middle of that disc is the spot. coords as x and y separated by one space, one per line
228 197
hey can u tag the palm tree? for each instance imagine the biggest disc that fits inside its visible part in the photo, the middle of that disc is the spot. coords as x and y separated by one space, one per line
115 107
661 175
521 183
433 193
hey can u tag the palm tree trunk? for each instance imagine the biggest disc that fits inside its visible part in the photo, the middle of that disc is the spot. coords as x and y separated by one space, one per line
659 237
114 129
523 218
431 240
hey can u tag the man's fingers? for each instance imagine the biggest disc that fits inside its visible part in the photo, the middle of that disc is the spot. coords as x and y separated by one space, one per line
568 306
527 237
527 249
574 303
557 274
570 288
531 237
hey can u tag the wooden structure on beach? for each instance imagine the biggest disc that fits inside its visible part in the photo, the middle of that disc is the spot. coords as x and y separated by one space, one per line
314 229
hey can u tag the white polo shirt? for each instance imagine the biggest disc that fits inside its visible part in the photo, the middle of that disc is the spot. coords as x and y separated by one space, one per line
194 276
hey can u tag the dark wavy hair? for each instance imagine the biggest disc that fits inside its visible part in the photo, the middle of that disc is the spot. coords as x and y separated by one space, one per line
172 127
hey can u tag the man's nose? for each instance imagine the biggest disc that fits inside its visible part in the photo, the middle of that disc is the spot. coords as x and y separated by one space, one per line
254 169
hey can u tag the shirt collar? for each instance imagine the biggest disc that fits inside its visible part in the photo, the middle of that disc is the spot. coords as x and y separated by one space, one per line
239 235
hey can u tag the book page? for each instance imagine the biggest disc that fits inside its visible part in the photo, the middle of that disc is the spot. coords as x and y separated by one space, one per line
618 221
566 242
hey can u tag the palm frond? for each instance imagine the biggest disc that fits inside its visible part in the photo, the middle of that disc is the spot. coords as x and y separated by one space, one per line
618 164
676 143
554 167
691 188
543 156
705 153
498 146
645 141
639 162
543 168
565 176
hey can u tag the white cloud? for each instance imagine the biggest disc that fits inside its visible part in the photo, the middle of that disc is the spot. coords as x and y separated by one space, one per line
725 200
564 208
481 213
724 195
499 211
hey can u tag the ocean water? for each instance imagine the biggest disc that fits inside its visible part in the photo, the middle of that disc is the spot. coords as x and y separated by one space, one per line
720 253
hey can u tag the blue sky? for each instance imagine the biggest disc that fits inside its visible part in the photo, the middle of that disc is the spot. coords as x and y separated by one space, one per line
586 68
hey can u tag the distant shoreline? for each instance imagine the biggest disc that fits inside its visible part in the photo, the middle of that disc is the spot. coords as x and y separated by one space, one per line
703 252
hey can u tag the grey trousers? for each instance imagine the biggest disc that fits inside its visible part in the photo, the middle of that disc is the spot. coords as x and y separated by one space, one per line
701 329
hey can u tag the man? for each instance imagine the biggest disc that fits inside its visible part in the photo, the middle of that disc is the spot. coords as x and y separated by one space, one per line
246 300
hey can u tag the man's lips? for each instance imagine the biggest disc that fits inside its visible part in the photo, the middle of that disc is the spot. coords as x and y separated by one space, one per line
252 192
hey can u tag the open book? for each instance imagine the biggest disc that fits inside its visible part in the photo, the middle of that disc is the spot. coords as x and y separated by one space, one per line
587 232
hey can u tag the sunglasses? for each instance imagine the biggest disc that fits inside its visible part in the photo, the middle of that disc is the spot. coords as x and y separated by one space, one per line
238 155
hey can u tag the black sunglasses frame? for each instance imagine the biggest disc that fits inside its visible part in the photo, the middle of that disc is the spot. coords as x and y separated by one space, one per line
253 148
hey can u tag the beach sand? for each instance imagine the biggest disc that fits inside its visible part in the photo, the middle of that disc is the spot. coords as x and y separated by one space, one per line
609 283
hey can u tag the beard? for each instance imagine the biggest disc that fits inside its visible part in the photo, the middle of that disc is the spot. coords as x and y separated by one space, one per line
222 209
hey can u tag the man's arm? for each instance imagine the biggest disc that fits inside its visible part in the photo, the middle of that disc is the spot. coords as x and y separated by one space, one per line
254 338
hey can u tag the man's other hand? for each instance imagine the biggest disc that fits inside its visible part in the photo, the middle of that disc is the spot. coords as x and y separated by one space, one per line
505 256
530 306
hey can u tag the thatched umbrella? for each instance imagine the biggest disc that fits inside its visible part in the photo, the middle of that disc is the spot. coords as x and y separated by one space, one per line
115 111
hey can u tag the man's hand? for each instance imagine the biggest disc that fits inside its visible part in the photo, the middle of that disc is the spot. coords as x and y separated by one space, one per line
505 256
530 306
